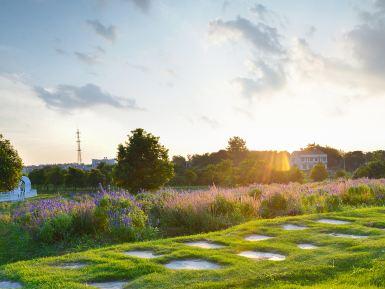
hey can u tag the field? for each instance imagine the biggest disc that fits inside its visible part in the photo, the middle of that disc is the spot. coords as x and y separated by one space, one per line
336 262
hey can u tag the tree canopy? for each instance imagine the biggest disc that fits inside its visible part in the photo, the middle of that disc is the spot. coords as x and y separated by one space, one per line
143 163
11 166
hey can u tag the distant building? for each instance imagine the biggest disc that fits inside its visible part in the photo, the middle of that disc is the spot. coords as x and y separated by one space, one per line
96 162
307 159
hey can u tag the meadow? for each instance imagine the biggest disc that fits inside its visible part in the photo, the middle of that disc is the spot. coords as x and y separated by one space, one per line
337 261
82 238
57 224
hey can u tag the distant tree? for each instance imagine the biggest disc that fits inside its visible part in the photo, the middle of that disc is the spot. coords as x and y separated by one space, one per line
318 173
95 177
143 163
38 177
11 166
372 170
107 172
236 145
296 175
341 174
354 160
55 176
190 176
75 178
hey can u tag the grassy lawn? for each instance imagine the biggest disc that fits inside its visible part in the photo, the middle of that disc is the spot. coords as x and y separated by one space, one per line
338 262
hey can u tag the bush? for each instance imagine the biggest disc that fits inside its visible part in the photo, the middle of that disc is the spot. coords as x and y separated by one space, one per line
56 229
275 205
115 216
318 173
341 174
372 170
357 196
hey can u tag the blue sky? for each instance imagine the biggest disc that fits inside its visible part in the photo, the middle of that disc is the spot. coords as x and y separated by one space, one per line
280 74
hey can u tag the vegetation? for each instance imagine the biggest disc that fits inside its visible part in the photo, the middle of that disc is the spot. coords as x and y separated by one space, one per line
55 179
373 170
319 173
142 163
10 166
336 263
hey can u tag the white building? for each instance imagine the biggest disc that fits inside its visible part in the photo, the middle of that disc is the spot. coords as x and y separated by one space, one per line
307 159
24 190
96 162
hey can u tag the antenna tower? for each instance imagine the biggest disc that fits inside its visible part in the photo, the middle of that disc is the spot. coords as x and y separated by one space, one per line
79 149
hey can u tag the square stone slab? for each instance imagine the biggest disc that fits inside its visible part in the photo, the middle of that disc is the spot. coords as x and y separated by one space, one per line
306 246
192 264
142 254
10 285
262 256
255 238
204 245
333 222
340 235
292 227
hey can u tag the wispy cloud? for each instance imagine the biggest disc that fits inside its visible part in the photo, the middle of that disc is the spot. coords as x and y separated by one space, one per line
210 121
263 37
87 58
69 97
143 5
107 32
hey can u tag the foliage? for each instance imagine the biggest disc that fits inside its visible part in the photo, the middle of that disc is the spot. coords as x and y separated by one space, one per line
115 215
372 170
236 145
11 166
318 173
75 177
142 163
341 174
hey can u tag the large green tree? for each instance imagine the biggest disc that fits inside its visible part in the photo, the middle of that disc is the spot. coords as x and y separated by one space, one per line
11 166
143 163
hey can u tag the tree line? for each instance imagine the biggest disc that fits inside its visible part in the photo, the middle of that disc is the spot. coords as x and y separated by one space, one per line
143 164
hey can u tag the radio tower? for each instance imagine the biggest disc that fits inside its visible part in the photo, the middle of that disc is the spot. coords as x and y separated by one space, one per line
79 149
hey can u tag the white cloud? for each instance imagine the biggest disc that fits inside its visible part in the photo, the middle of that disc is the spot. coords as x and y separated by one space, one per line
70 97
107 32
264 38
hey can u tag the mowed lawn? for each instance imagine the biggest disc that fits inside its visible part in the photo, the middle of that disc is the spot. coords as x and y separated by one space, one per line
337 262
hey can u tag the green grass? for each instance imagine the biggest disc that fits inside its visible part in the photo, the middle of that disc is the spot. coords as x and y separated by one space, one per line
338 263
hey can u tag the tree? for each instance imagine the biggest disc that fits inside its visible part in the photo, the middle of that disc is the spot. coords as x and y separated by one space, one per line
296 175
11 166
75 177
318 173
190 176
372 170
38 177
143 163
55 176
95 177
236 145
107 172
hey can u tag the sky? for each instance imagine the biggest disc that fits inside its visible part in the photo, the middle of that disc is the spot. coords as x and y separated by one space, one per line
280 74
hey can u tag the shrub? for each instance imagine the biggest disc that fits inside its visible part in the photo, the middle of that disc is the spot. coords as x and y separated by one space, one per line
273 206
107 214
319 173
372 170
359 195
58 228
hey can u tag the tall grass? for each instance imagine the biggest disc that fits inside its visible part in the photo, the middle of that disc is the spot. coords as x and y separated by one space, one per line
178 213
